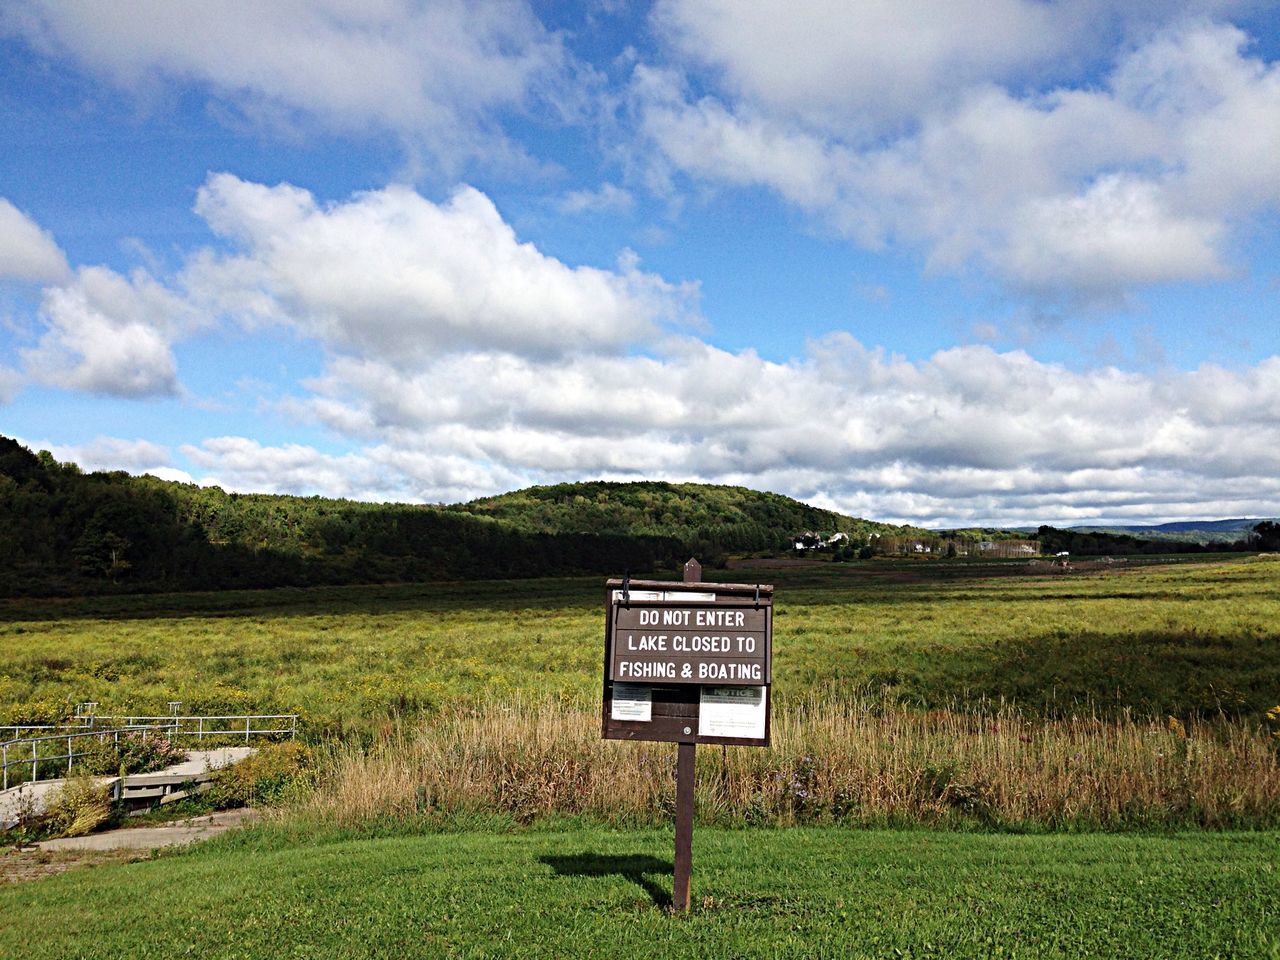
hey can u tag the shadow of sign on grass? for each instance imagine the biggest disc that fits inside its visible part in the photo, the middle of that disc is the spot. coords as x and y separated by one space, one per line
635 867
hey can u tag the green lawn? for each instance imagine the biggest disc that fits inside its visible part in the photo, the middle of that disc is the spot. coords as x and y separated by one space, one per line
599 893
1182 639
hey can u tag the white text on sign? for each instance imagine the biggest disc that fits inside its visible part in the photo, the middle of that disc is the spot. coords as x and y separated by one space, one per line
694 618
704 670
695 644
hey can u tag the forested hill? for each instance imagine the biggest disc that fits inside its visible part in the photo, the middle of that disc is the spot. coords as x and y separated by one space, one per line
66 531
1186 531
63 531
702 515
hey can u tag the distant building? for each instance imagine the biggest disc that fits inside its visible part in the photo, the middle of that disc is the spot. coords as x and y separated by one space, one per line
957 547
809 540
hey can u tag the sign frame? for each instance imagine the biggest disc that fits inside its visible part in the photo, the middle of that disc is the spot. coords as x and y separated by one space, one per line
675 706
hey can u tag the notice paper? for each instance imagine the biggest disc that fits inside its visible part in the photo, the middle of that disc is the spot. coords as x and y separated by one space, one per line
732 712
632 701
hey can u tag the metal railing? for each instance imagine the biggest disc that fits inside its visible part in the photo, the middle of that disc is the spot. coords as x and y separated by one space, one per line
13 753
15 731
200 727
26 751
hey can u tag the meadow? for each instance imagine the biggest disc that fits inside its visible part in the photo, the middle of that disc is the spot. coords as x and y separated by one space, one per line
965 695
1188 640
1034 764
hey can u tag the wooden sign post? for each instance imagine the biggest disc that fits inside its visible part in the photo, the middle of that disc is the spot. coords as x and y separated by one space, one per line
688 663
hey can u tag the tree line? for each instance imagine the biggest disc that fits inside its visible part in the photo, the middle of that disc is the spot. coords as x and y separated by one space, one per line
709 519
64 531
1263 536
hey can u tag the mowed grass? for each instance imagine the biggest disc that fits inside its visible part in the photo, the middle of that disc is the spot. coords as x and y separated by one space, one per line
1186 639
597 893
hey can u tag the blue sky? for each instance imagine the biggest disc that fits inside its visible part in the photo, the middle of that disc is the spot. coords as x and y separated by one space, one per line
998 262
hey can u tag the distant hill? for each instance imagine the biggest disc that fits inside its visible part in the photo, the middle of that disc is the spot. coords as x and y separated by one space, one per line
63 531
66 531
1183 531
706 517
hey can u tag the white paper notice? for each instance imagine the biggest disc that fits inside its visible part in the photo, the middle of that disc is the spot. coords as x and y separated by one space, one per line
632 701
687 596
732 712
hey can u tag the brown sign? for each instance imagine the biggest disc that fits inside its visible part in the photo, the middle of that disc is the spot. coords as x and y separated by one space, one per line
718 643
688 662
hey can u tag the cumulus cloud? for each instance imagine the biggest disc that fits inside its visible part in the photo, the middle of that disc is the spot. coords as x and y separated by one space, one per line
968 435
110 334
873 63
117 453
1118 232
390 274
609 197
10 383
376 473
28 252
1083 192
433 73
386 276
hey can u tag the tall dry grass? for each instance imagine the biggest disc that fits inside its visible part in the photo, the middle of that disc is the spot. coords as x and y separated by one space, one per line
853 759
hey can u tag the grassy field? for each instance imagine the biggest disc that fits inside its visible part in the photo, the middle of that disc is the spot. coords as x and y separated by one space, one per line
854 761
1187 639
1022 710
596 893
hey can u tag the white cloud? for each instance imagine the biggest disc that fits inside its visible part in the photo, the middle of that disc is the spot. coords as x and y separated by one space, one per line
878 67
969 435
1220 110
110 334
1084 192
433 73
390 274
707 140
10 383
26 251
869 64
240 464
378 473
387 275
1118 233
172 474
608 198
116 453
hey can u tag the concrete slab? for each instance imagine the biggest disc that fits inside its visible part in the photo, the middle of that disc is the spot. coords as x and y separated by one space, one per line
197 762
31 798
149 838
34 796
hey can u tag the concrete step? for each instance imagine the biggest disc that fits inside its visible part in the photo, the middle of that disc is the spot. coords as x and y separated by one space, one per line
34 797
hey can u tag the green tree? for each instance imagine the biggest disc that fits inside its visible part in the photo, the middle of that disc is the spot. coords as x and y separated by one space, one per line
102 552
1266 536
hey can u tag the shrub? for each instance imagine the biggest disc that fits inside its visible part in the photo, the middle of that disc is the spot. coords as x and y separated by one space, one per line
78 808
26 824
272 775
132 753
